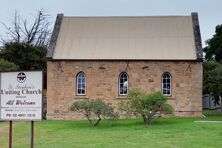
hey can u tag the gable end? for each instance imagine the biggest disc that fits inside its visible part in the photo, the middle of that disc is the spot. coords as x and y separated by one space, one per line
197 36
54 36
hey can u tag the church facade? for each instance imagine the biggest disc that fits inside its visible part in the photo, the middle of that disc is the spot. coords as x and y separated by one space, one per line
105 57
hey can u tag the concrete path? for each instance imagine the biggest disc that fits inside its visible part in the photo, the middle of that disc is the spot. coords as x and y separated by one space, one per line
207 121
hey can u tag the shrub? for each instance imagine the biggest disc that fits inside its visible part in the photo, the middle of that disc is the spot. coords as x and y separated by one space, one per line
146 105
92 109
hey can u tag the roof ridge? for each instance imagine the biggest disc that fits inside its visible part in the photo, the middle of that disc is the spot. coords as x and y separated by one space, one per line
127 16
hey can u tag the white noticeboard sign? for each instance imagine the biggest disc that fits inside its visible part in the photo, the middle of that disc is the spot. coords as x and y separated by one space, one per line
21 95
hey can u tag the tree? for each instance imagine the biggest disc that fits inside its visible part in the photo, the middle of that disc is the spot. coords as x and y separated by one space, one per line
7 66
20 31
146 105
26 43
213 66
212 81
94 109
25 56
213 50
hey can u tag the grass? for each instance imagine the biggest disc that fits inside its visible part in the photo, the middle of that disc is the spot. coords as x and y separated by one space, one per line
164 133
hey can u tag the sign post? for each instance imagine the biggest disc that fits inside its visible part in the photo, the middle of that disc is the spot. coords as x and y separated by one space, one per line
10 135
21 98
32 134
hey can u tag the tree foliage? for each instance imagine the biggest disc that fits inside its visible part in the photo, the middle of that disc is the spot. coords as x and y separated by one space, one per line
213 50
212 78
146 105
7 66
25 56
94 109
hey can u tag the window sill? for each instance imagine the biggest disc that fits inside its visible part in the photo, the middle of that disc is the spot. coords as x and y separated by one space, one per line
167 95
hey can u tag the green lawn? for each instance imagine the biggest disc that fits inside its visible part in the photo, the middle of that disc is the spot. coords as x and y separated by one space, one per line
165 132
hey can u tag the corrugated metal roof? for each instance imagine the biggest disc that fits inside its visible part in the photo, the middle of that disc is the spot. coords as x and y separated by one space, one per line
130 38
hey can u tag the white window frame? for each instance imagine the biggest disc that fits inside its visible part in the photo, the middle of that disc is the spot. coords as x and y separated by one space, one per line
170 84
77 84
119 83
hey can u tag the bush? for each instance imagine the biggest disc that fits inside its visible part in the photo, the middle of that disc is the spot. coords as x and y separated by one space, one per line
146 105
94 109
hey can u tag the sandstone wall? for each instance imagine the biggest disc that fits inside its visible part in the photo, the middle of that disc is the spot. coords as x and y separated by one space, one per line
102 82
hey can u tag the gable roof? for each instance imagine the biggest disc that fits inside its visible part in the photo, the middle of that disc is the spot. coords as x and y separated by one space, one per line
126 38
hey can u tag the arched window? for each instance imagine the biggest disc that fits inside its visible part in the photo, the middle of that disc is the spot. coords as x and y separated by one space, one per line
81 83
166 84
123 83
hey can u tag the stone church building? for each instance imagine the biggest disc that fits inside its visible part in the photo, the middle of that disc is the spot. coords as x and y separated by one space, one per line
105 57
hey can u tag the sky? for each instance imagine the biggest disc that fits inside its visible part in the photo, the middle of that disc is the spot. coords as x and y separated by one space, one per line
209 11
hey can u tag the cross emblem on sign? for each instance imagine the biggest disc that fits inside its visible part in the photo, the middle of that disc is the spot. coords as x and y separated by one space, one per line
21 77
